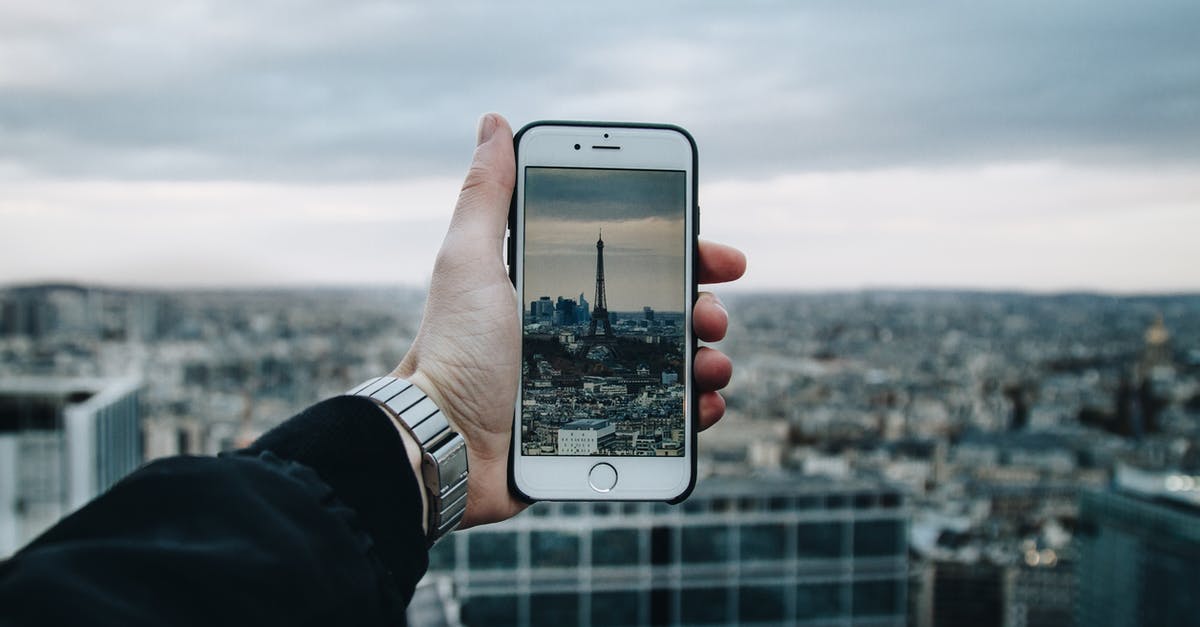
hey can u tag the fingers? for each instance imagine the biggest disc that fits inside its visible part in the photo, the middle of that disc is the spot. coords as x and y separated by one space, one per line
712 369
482 209
720 263
712 372
710 320
712 407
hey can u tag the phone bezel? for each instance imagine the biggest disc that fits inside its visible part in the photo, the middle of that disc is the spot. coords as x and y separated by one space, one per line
643 146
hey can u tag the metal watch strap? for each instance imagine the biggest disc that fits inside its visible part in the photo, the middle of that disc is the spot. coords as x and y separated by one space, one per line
443 451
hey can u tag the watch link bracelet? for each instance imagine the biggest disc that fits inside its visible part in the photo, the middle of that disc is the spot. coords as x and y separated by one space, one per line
443 451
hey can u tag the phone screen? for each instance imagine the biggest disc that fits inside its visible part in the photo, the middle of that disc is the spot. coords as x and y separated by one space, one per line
604 297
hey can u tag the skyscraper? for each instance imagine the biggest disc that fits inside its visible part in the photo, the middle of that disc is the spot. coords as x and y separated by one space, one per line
565 311
582 310
542 309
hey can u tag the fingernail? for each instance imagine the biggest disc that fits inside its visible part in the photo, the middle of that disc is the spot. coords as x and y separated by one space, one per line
487 126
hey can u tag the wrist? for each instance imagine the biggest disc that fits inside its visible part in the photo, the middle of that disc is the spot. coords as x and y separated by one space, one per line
437 453
488 497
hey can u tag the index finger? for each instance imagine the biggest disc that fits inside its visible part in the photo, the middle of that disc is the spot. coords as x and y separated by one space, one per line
720 263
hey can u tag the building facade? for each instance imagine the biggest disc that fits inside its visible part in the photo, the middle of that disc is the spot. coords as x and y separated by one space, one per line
1139 560
787 550
62 442
584 437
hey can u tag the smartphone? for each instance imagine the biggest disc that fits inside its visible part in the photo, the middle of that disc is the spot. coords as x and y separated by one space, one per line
602 251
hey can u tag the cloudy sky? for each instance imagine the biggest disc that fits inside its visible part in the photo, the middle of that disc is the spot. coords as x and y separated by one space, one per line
1016 144
639 213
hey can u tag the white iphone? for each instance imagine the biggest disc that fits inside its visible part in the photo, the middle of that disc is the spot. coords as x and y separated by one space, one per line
602 253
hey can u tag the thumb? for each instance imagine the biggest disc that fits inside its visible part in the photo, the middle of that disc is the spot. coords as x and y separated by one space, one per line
482 209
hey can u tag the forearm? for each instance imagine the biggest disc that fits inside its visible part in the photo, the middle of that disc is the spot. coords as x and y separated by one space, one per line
319 521
357 449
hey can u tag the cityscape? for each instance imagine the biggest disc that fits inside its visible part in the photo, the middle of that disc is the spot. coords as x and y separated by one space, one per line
965 339
887 457
600 382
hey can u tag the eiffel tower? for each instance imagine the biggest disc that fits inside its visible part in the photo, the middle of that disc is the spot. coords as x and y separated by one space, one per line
600 307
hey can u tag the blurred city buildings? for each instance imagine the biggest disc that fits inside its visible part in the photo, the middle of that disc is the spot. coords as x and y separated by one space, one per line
1040 453
62 442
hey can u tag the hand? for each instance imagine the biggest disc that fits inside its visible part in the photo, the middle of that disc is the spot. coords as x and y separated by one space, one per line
467 353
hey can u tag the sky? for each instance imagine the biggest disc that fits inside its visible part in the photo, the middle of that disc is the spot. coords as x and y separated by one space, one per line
999 145
639 215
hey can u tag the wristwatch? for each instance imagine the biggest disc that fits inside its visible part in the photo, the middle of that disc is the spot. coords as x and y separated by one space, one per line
443 451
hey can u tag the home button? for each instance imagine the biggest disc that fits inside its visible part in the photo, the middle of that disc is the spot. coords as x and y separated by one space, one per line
602 478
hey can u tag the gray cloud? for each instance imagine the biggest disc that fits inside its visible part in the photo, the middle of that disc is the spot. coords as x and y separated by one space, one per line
605 196
379 91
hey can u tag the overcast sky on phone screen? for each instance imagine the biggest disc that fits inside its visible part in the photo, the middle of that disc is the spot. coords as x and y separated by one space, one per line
638 213
1006 145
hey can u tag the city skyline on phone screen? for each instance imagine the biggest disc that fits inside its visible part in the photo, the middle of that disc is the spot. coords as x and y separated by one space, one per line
604 325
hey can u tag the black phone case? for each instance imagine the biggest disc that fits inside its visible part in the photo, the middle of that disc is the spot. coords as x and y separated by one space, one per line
512 275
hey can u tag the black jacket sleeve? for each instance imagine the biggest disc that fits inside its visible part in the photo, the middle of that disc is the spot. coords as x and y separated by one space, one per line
317 523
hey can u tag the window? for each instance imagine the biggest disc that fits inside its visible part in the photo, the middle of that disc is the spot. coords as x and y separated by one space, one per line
779 503
864 500
660 545
614 546
498 610
764 542
492 550
820 600
835 501
819 539
615 608
704 606
875 598
553 548
761 604
553 609
705 544
878 538
808 502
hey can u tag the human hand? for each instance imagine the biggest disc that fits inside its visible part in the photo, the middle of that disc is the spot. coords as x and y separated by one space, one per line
467 353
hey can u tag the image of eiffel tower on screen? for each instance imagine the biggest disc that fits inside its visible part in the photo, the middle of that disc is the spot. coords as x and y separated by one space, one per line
604 376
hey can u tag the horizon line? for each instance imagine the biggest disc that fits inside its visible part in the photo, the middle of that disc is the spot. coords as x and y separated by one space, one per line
732 289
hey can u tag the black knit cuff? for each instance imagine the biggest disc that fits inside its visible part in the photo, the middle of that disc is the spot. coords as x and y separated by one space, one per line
354 447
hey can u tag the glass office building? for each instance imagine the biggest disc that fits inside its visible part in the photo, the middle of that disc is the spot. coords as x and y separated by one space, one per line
784 550
1139 560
